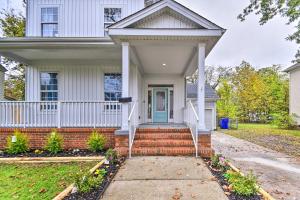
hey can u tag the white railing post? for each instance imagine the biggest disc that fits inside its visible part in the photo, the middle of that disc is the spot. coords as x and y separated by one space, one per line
58 114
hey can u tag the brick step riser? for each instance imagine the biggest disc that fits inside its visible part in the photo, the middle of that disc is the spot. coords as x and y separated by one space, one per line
162 137
163 143
163 151
163 131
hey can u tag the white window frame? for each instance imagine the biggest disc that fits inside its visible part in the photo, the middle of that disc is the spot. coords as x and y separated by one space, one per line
110 23
59 19
40 84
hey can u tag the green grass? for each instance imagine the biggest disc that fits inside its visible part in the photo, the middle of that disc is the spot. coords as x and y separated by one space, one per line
286 141
37 181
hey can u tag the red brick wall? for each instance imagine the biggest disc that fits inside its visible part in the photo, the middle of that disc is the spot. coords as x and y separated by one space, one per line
74 138
204 145
121 144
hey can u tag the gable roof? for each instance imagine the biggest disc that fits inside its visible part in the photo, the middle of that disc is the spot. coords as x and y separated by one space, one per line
162 5
192 91
293 67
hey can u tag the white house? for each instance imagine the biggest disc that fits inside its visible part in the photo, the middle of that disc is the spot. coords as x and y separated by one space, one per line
294 72
83 56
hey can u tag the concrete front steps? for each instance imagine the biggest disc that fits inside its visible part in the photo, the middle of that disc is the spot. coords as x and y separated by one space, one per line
163 142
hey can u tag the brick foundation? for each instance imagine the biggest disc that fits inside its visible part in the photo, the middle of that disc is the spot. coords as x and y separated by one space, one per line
74 138
121 144
204 145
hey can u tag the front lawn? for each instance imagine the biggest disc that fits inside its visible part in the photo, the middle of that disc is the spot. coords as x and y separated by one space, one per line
286 141
37 181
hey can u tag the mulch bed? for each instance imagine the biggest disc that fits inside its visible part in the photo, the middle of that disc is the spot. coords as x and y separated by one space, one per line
223 182
98 192
66 153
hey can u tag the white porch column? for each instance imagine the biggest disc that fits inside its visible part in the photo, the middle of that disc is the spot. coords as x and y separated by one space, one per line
125 84
201 86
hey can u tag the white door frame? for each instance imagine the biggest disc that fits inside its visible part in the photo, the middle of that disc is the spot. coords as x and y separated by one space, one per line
149 88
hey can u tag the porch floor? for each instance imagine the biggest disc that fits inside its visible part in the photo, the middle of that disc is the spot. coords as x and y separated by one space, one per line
163 125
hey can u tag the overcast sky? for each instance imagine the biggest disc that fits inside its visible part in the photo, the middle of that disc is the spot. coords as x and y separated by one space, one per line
260 45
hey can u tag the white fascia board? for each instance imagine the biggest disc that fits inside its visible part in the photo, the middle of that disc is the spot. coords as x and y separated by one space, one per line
53 42
166 32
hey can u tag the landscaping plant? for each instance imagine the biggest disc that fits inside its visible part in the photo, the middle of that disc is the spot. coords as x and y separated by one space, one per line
219 162
54 142
86 182
242 185
284 120
17 143
96 142
111 155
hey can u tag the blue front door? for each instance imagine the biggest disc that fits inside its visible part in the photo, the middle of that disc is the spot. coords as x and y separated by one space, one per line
160 105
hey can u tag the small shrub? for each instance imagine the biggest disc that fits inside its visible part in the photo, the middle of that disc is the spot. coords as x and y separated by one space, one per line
242 185
219 162
18 146
96 142
86 182
111 155
284 121
54 142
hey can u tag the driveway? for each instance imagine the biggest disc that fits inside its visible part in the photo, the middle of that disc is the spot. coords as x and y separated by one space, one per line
279 174
164 178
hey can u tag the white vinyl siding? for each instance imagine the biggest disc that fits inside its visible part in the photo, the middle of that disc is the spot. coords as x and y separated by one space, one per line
77 18
295 94
1 85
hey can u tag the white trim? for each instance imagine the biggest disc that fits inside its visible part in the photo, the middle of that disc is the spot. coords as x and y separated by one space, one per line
165 32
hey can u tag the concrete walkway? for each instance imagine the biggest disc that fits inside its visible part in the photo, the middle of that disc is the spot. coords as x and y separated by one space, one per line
164 178
278 173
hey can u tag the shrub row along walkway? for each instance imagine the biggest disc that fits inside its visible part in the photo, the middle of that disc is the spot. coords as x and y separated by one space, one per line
278 173
156 178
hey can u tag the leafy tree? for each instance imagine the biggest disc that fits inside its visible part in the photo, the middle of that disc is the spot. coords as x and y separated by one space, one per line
214 75
250 90
268 9
13 25
226 105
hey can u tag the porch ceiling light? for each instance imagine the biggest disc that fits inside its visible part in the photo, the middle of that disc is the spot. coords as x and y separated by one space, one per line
164 64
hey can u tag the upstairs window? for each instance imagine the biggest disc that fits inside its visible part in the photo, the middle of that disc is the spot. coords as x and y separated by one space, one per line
49 86
49 20
111 16
112 87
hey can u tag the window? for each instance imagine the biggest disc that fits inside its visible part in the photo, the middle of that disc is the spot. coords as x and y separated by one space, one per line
112 87
111 15
49 22
149 104
49 87
171 104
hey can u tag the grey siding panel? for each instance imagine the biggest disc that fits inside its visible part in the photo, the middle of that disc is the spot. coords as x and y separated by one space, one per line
78 18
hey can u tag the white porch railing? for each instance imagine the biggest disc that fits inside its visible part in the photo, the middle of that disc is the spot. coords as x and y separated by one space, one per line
132 125
60 114
191 119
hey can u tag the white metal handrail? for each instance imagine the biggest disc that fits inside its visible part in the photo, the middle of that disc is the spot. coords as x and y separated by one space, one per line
132 127
192 120
23 114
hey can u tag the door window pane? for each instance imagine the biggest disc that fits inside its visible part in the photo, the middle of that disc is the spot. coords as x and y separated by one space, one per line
160 101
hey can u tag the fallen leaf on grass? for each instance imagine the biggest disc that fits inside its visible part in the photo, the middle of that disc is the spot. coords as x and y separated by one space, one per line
43 190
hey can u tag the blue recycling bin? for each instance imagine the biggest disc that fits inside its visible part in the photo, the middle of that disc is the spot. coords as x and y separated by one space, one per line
224 123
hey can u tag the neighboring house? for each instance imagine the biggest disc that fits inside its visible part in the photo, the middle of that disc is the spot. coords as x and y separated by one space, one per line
83 56
211 98
294 72
2 71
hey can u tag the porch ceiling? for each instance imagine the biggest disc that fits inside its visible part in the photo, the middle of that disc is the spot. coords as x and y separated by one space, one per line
41 50
164 58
